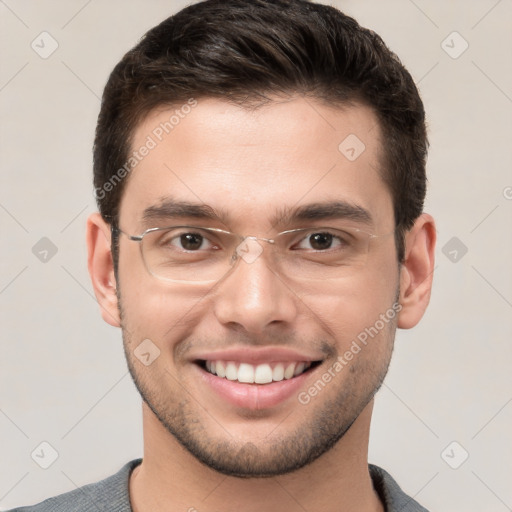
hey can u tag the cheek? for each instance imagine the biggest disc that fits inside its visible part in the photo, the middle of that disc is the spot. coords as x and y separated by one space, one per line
156 310
353 306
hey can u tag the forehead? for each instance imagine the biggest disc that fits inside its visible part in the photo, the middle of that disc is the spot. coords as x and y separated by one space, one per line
254 164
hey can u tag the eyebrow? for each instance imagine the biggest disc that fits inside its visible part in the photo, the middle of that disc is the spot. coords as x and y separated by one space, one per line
170 208
319 211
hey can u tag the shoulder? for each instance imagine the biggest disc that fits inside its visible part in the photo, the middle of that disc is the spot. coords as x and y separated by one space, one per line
391 494
110 494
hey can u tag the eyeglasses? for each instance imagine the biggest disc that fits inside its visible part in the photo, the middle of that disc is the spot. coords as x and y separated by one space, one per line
199 254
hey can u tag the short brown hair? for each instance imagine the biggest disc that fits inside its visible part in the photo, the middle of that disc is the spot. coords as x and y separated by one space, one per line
245 51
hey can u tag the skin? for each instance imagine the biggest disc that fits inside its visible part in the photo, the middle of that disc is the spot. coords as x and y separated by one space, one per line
249 165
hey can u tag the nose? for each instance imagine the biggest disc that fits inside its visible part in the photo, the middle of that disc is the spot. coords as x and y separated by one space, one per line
253 296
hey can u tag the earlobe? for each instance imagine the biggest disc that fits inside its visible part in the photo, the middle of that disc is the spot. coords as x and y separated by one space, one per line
416 273
101 268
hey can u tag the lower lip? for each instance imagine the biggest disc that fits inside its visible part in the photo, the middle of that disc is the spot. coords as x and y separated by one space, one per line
254 396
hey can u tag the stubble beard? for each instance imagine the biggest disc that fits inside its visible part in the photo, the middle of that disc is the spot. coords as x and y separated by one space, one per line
325 421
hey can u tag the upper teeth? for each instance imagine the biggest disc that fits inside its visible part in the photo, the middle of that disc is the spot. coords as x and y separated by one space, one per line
256 374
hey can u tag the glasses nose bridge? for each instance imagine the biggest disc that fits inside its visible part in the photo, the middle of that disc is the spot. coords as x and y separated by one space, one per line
249 248
259 238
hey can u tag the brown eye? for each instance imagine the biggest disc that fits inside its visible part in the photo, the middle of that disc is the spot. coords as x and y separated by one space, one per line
191 241
321 241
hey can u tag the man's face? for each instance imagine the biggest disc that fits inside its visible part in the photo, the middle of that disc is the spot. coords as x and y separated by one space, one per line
255 170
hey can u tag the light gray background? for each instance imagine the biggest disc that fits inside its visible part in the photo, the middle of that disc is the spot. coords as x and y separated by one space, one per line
63 377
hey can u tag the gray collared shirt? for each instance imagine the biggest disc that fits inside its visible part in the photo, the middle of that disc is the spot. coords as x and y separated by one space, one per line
112 495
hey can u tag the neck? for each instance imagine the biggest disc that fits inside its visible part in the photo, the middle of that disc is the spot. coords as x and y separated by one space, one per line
170 478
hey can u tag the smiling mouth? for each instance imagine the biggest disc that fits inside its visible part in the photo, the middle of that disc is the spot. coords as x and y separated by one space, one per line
264 373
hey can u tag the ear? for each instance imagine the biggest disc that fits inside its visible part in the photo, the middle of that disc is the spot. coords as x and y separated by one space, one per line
416 272
101 268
